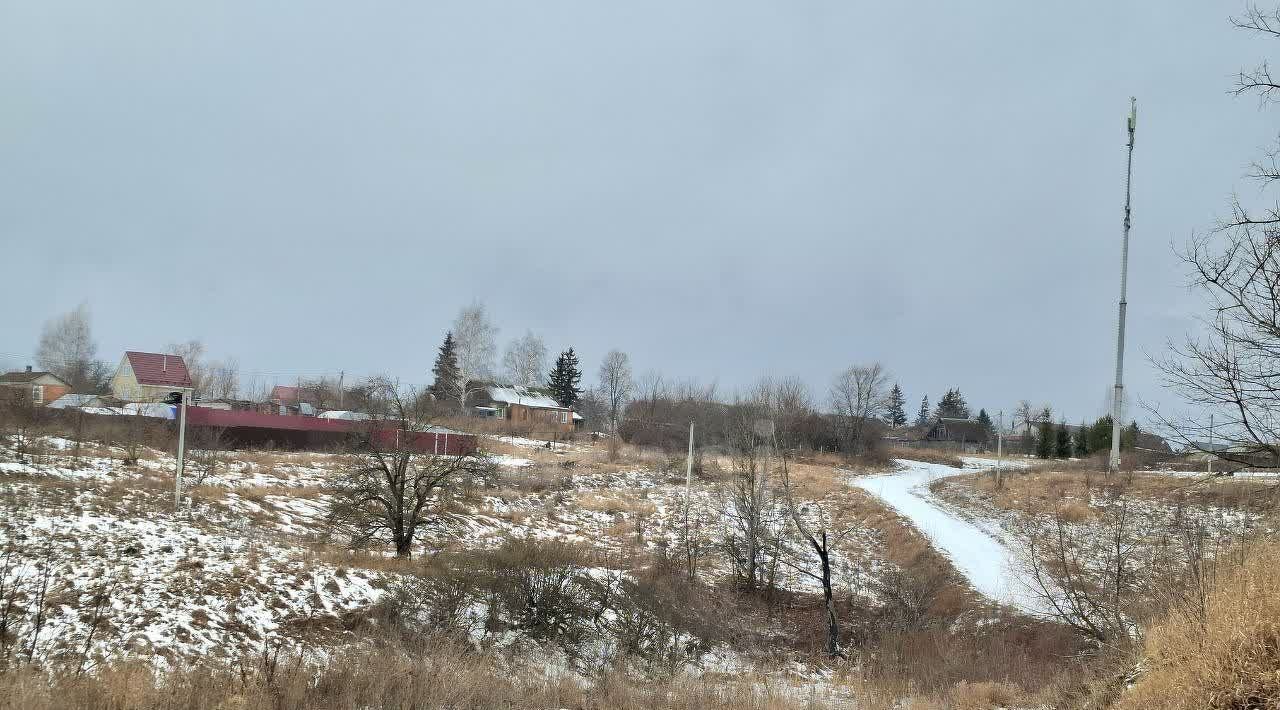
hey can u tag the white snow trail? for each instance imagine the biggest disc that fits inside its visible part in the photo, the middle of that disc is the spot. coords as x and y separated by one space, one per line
979 552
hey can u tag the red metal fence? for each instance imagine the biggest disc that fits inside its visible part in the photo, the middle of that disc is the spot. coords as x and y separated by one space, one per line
292 431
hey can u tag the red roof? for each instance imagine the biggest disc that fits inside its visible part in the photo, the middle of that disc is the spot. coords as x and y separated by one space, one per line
282 393
158 369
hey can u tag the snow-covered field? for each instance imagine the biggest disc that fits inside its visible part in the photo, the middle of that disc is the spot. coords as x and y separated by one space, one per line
245 566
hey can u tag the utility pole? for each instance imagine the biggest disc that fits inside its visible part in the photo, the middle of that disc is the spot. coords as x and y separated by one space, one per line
1211 449
688 474
689 552
1118 397
182 448
999 448
341 374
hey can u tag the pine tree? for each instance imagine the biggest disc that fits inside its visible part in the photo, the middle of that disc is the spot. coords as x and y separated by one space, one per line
1046 440
564 379
445 370
1063 448
922 419
897 414
952 405
988 428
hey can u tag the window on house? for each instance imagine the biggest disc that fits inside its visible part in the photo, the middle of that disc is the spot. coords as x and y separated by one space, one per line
564 417
37 394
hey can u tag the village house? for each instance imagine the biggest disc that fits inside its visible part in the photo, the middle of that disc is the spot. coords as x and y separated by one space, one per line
525 407
965 434
149 377
37 388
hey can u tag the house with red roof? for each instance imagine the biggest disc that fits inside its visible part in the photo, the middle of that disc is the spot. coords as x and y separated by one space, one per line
149 377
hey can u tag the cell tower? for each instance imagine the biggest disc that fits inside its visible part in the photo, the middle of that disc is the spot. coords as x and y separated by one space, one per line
1117 399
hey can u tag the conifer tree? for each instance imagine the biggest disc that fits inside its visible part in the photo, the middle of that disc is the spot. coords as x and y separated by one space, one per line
1046 440
988 428
1082 440
564 379
952 405
445 370
896 414
1062 449
922 418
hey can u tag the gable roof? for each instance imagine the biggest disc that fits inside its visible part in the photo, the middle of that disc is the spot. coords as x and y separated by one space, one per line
285 393
523 395
158 369
24 377
947 429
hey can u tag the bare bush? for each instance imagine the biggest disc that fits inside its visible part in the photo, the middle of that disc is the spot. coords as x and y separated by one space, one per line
390 489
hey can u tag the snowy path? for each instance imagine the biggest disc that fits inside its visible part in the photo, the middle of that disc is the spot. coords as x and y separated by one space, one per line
978 552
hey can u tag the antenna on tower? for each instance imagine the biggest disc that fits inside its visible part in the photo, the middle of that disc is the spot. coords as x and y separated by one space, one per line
1117 399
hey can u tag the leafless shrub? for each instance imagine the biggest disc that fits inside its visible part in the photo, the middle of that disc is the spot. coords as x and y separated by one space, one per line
391 490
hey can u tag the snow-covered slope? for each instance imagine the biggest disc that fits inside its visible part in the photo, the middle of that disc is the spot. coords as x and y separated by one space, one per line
980 553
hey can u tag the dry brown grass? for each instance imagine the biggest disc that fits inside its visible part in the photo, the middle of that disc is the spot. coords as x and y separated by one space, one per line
1048 490
440 675
938 456
983 695
1230 658
614 503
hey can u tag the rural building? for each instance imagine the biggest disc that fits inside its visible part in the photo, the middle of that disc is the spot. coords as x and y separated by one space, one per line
293 400
966 434
525 407
38 388
149 377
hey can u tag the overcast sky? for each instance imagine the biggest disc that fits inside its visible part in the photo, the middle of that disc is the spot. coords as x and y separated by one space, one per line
721 189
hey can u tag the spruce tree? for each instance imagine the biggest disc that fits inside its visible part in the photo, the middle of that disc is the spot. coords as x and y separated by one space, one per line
1063 448
988 428
897 414
922 418
1082 440
445 370
564 379
952 405
1046 440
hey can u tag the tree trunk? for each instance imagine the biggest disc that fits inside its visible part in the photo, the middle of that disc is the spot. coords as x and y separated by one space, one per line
833 625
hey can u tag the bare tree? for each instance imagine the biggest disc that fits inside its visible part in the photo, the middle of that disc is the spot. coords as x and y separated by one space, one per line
1086 575
858 398
223 379
749 504
67 350
391 490
525 360
475 345
1232 369
817 535
792 406
192 353
616 384
1025 417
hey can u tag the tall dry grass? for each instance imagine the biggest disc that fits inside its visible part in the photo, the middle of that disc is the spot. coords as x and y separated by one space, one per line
1227 658
437 675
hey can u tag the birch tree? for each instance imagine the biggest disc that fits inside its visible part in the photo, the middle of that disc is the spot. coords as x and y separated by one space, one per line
616 384
475 345
525 360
